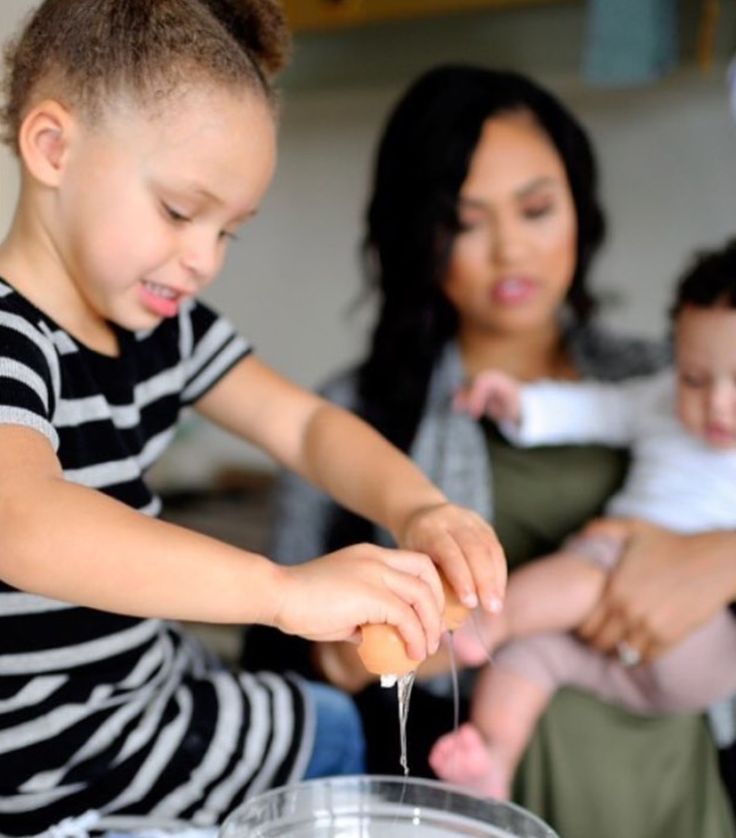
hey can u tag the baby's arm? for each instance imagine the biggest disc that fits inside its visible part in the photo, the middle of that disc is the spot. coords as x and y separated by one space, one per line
491 393
72 543
557 412
346 458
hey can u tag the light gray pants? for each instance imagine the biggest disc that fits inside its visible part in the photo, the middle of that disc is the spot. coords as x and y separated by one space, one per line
694 674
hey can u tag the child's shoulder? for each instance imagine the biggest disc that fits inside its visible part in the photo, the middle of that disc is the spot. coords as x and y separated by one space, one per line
18 314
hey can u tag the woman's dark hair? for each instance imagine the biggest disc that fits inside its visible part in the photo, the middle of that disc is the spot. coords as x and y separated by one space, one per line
709 281
83 51
423 159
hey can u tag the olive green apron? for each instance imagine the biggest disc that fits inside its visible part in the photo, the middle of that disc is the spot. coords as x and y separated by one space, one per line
593 770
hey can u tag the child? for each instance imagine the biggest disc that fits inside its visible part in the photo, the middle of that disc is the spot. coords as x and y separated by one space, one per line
681 426
145 131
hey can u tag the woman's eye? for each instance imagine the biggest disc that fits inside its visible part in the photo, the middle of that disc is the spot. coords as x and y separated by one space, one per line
537 211
469 224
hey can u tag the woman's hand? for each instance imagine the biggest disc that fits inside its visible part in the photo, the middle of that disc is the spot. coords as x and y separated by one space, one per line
492 393
329 598
465 547
664 587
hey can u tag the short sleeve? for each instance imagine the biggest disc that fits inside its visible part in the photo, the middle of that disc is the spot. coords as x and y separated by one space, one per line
210 347
29 376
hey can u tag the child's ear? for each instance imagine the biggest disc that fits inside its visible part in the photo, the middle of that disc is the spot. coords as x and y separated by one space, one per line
44 140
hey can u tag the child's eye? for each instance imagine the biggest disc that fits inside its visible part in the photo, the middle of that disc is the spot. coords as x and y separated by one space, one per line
692 380
174 215
226 235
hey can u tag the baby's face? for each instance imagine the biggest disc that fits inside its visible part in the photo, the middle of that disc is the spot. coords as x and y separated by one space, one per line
705 348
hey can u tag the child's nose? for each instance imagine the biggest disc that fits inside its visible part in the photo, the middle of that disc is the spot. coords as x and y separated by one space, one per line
722 400
201 260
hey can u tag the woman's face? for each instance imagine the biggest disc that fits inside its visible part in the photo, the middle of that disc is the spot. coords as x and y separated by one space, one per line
513 261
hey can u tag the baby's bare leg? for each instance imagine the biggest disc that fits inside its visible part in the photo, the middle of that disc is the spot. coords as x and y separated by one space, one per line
555 593
483 754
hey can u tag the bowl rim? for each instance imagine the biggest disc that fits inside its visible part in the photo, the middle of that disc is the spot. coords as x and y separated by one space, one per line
392 780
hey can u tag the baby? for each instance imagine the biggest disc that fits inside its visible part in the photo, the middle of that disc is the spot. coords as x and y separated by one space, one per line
681 428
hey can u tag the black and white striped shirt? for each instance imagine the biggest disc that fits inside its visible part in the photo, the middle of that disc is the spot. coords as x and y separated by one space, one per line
97 710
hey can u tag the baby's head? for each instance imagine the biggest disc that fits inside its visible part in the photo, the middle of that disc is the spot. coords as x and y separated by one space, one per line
704 318
146 135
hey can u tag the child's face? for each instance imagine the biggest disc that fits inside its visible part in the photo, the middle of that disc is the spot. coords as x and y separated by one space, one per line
148 205
706 363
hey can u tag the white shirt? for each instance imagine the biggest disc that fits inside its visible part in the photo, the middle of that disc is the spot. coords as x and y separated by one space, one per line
675 479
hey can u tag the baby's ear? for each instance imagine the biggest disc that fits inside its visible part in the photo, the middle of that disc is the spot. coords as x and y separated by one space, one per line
44 140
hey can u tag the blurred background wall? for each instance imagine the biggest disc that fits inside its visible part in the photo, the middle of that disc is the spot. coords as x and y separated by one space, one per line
667 150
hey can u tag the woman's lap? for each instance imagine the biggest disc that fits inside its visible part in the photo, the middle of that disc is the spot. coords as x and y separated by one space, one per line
595 769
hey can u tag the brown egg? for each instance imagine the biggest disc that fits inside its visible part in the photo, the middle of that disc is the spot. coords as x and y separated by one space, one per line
382 650
455 612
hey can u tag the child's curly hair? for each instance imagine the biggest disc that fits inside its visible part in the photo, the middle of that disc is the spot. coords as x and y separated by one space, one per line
82 52
709 281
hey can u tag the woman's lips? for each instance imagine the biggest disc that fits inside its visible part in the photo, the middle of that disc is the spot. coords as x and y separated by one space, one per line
513 290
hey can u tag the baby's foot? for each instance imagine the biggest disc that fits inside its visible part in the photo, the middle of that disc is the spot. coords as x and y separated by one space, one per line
465 758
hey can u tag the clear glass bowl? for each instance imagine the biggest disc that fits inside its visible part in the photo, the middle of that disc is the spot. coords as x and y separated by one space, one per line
379 807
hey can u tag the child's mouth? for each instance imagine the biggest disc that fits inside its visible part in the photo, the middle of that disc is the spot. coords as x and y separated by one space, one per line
719 435
159 299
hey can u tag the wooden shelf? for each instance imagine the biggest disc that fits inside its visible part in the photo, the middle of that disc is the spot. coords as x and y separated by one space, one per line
312 15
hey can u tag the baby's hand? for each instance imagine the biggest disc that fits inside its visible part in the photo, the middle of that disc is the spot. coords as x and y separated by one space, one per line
469 644
479 636
330 597
493 394
465 547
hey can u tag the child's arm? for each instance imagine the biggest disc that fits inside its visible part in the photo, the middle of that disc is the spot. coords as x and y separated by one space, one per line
75 544
351 462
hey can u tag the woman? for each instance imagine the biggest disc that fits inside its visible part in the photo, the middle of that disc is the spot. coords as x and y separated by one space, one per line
482 226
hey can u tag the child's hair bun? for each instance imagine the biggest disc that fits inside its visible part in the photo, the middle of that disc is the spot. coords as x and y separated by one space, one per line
259 26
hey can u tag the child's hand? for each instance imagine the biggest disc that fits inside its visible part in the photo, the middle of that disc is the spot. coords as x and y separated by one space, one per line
330 597
465 547
493 394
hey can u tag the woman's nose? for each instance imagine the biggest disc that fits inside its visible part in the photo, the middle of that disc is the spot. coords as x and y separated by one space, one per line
508 242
